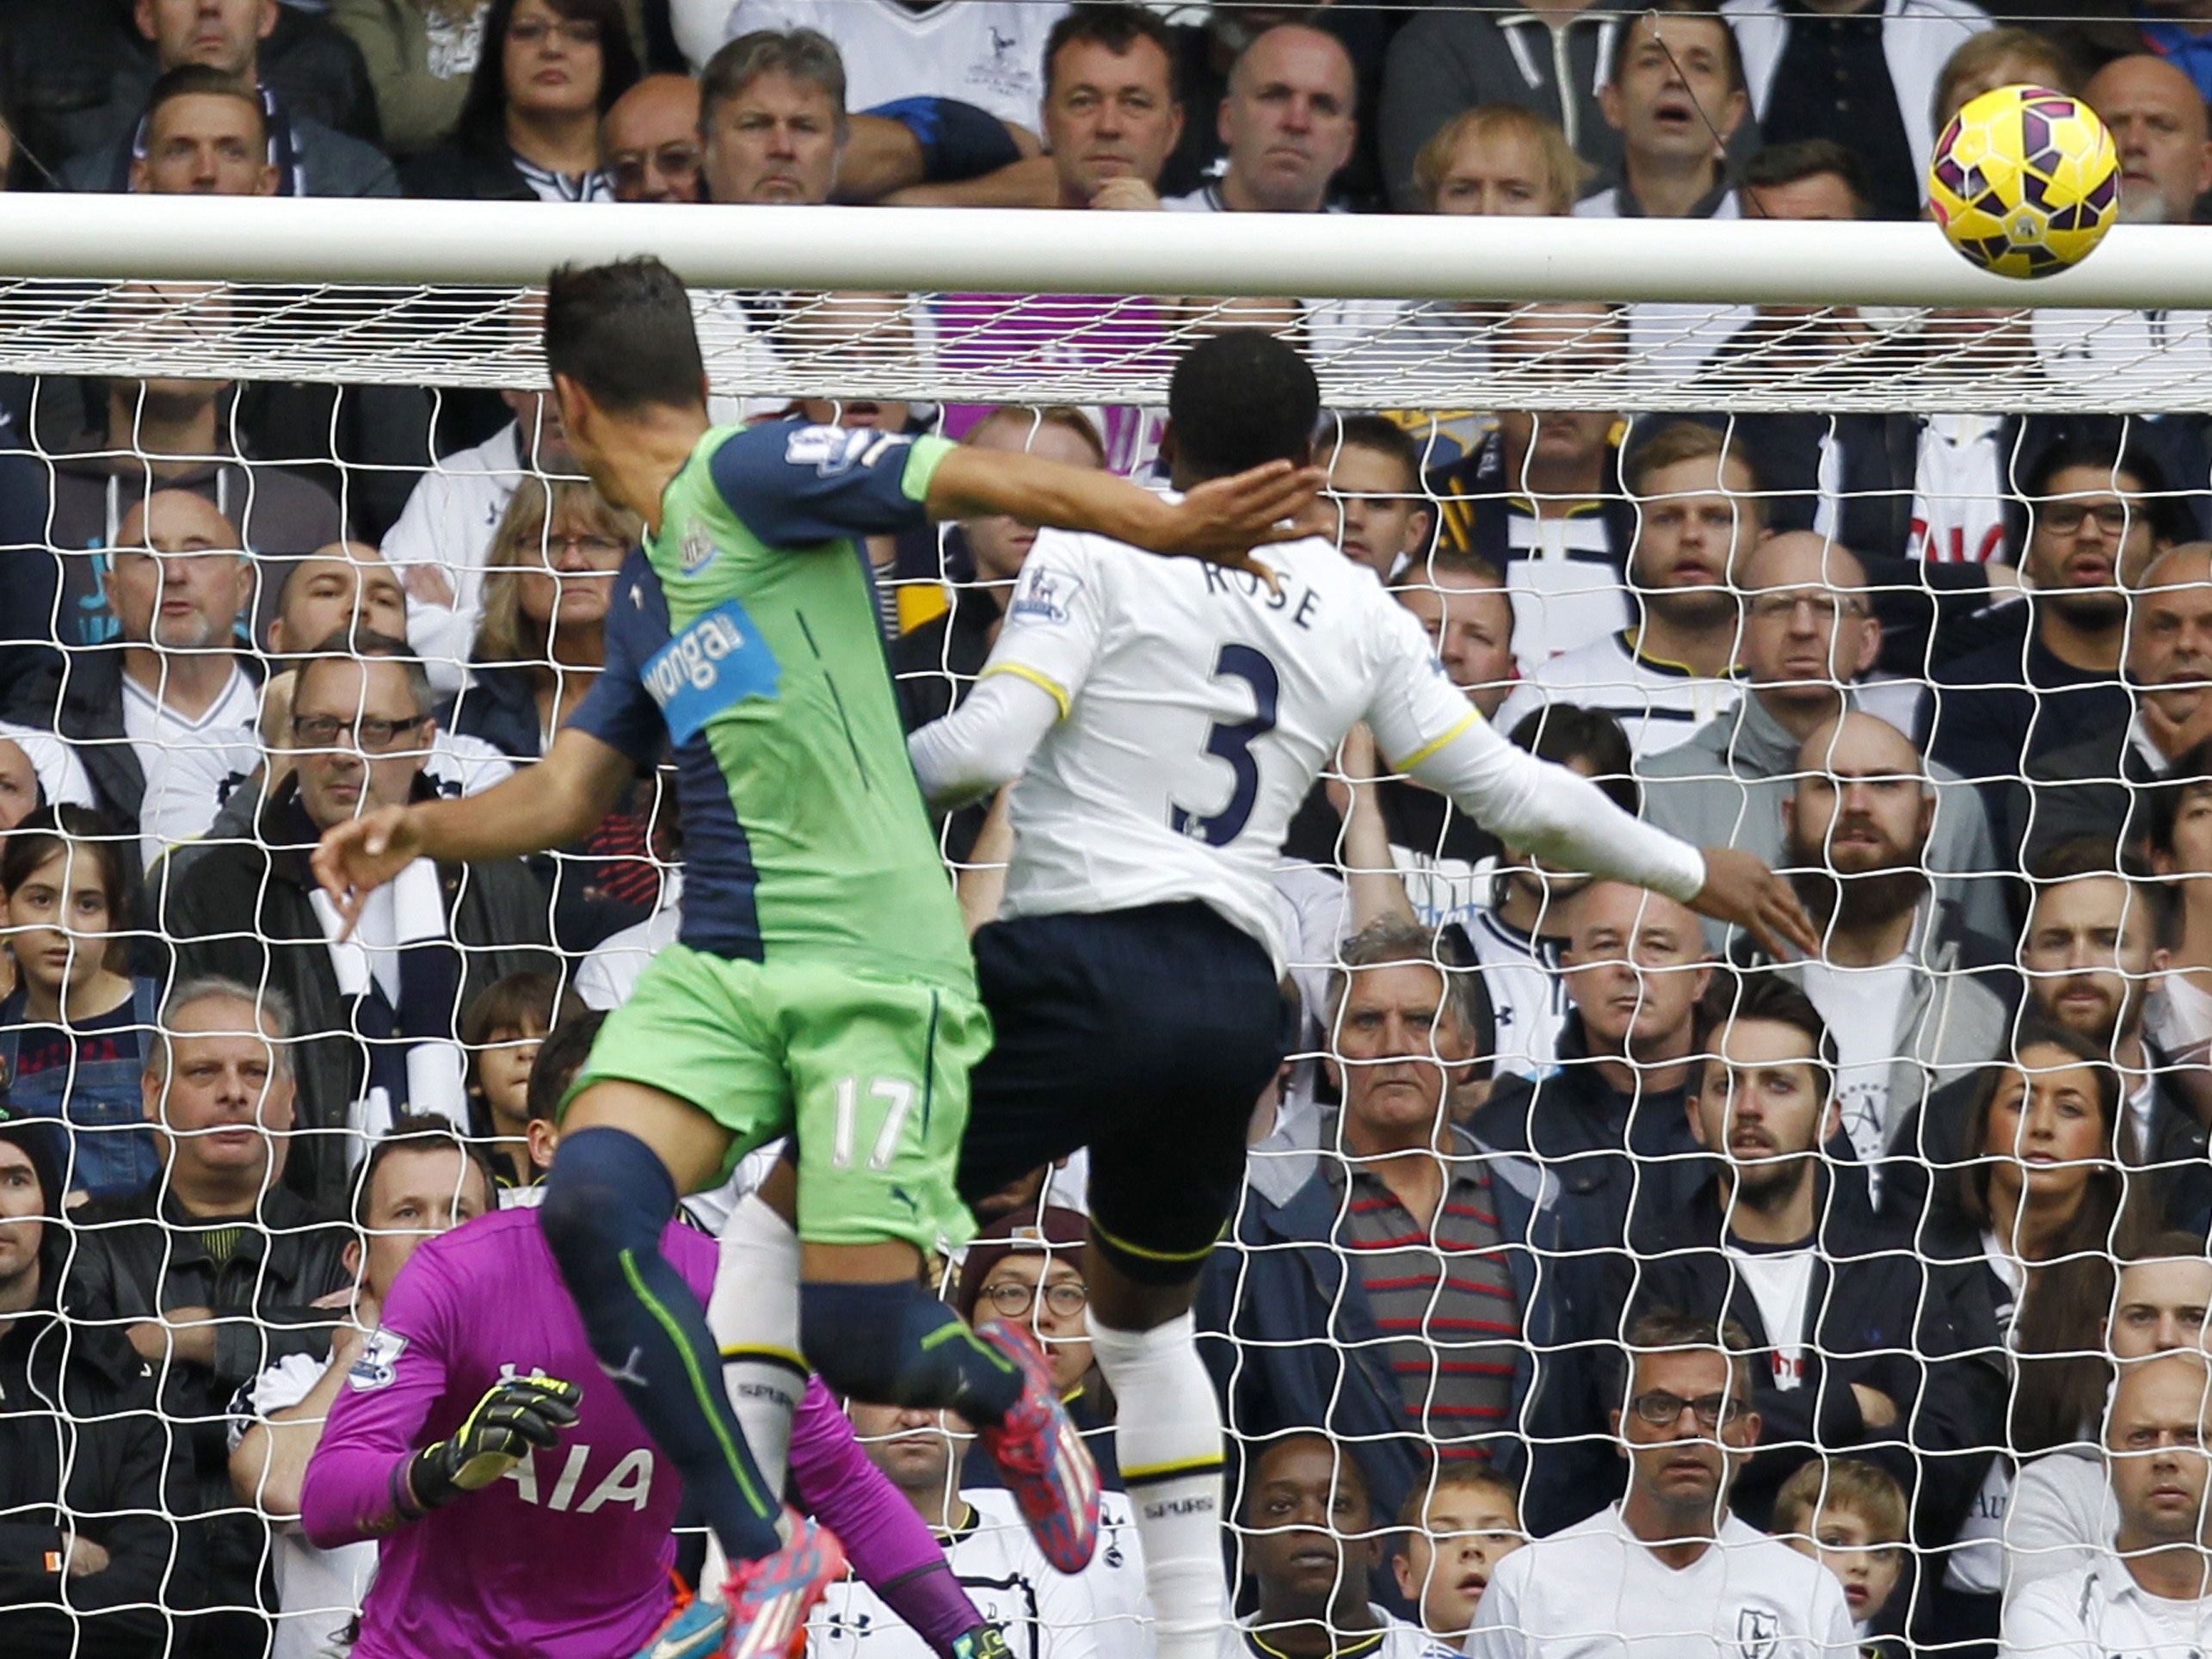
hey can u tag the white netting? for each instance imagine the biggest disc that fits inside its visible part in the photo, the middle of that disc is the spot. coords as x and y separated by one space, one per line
1498 1327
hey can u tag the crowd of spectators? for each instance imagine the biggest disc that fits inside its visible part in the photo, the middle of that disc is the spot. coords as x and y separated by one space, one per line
1596 1275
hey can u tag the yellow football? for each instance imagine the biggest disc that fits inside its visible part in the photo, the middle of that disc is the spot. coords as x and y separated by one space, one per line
2024 180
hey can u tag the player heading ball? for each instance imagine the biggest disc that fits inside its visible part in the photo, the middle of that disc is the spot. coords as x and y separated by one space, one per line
822 987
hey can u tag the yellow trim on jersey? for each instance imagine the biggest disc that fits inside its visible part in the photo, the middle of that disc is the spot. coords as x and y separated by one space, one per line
1164 1470
1427 749
775 1355
1128 1249
1045 683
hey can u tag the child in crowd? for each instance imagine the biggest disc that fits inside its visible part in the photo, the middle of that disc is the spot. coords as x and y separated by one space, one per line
1851 1517
502 1032
555 1063
1459 1524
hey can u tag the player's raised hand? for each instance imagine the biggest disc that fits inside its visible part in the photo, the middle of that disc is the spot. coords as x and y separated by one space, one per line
515 1417
1222 520
357 857
1740 889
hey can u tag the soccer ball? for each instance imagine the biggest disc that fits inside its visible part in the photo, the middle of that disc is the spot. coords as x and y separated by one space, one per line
2025 181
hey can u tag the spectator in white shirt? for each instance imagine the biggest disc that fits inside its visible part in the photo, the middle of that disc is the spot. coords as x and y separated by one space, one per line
1288 123
1309 1544
2151 1593
186 709
1668 1572
1673 667
2062 1517
420 1181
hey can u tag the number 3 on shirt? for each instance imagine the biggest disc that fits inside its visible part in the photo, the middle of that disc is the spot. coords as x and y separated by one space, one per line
1233 743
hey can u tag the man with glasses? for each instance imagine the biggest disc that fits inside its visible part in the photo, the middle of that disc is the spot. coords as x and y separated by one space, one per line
649 142
377 1014
1669 1570
2098 515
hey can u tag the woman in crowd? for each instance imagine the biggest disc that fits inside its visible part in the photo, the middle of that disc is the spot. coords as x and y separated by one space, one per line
74 1032
539 644
1030 1272
1499 159
2032 1208
529 127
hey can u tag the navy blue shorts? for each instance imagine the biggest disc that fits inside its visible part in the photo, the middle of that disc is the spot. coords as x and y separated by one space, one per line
1146 1035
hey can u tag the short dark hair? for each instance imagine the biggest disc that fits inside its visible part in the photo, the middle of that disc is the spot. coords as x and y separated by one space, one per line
560 1057
1665 1328
1261 1449
1565 732
1117 27
505 1003
1769 998
2162 803
1380 433
624 332
1664 8
1808 158
418 1132
2111 454
353 644
807 56
204 81
482 123
1240 398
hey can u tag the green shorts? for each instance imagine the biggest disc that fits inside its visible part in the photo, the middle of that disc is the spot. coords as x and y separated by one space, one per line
868 1075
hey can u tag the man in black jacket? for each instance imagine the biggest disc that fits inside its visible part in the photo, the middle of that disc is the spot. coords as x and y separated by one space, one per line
1863 1346
84 1550
214 1272
376 1036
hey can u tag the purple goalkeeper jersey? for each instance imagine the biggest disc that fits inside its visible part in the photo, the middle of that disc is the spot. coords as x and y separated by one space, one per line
567 1557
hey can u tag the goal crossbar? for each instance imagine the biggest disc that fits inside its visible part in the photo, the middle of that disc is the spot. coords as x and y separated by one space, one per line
1401 310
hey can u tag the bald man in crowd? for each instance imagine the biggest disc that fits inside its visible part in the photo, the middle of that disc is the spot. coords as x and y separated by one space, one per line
1913 999
2158 123
650 143
1288 122
1809 635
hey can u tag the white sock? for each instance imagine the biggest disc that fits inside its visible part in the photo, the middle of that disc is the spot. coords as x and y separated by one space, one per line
754 1315
1167 1436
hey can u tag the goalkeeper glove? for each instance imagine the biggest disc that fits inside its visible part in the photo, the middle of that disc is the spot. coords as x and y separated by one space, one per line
513 1418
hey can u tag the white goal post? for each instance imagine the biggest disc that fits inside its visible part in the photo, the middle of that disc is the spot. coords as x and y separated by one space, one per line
413 291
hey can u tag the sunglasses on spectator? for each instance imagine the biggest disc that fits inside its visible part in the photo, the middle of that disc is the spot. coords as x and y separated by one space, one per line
670 160
375 736
1013 1301
573 31
1663 1410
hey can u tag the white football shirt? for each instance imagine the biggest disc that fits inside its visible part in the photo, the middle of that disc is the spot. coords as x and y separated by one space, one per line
1658 704
1045 1613
991 55
1595 1591
190 765
1198 708
2101 1613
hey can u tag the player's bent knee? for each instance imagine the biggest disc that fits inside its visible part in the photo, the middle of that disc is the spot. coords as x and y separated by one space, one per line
607 1192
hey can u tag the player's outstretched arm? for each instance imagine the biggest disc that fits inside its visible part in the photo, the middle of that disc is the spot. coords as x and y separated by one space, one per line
1221 520
1560 815
560 799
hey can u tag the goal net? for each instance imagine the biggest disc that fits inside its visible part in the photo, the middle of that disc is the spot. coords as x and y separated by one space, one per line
1803 540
